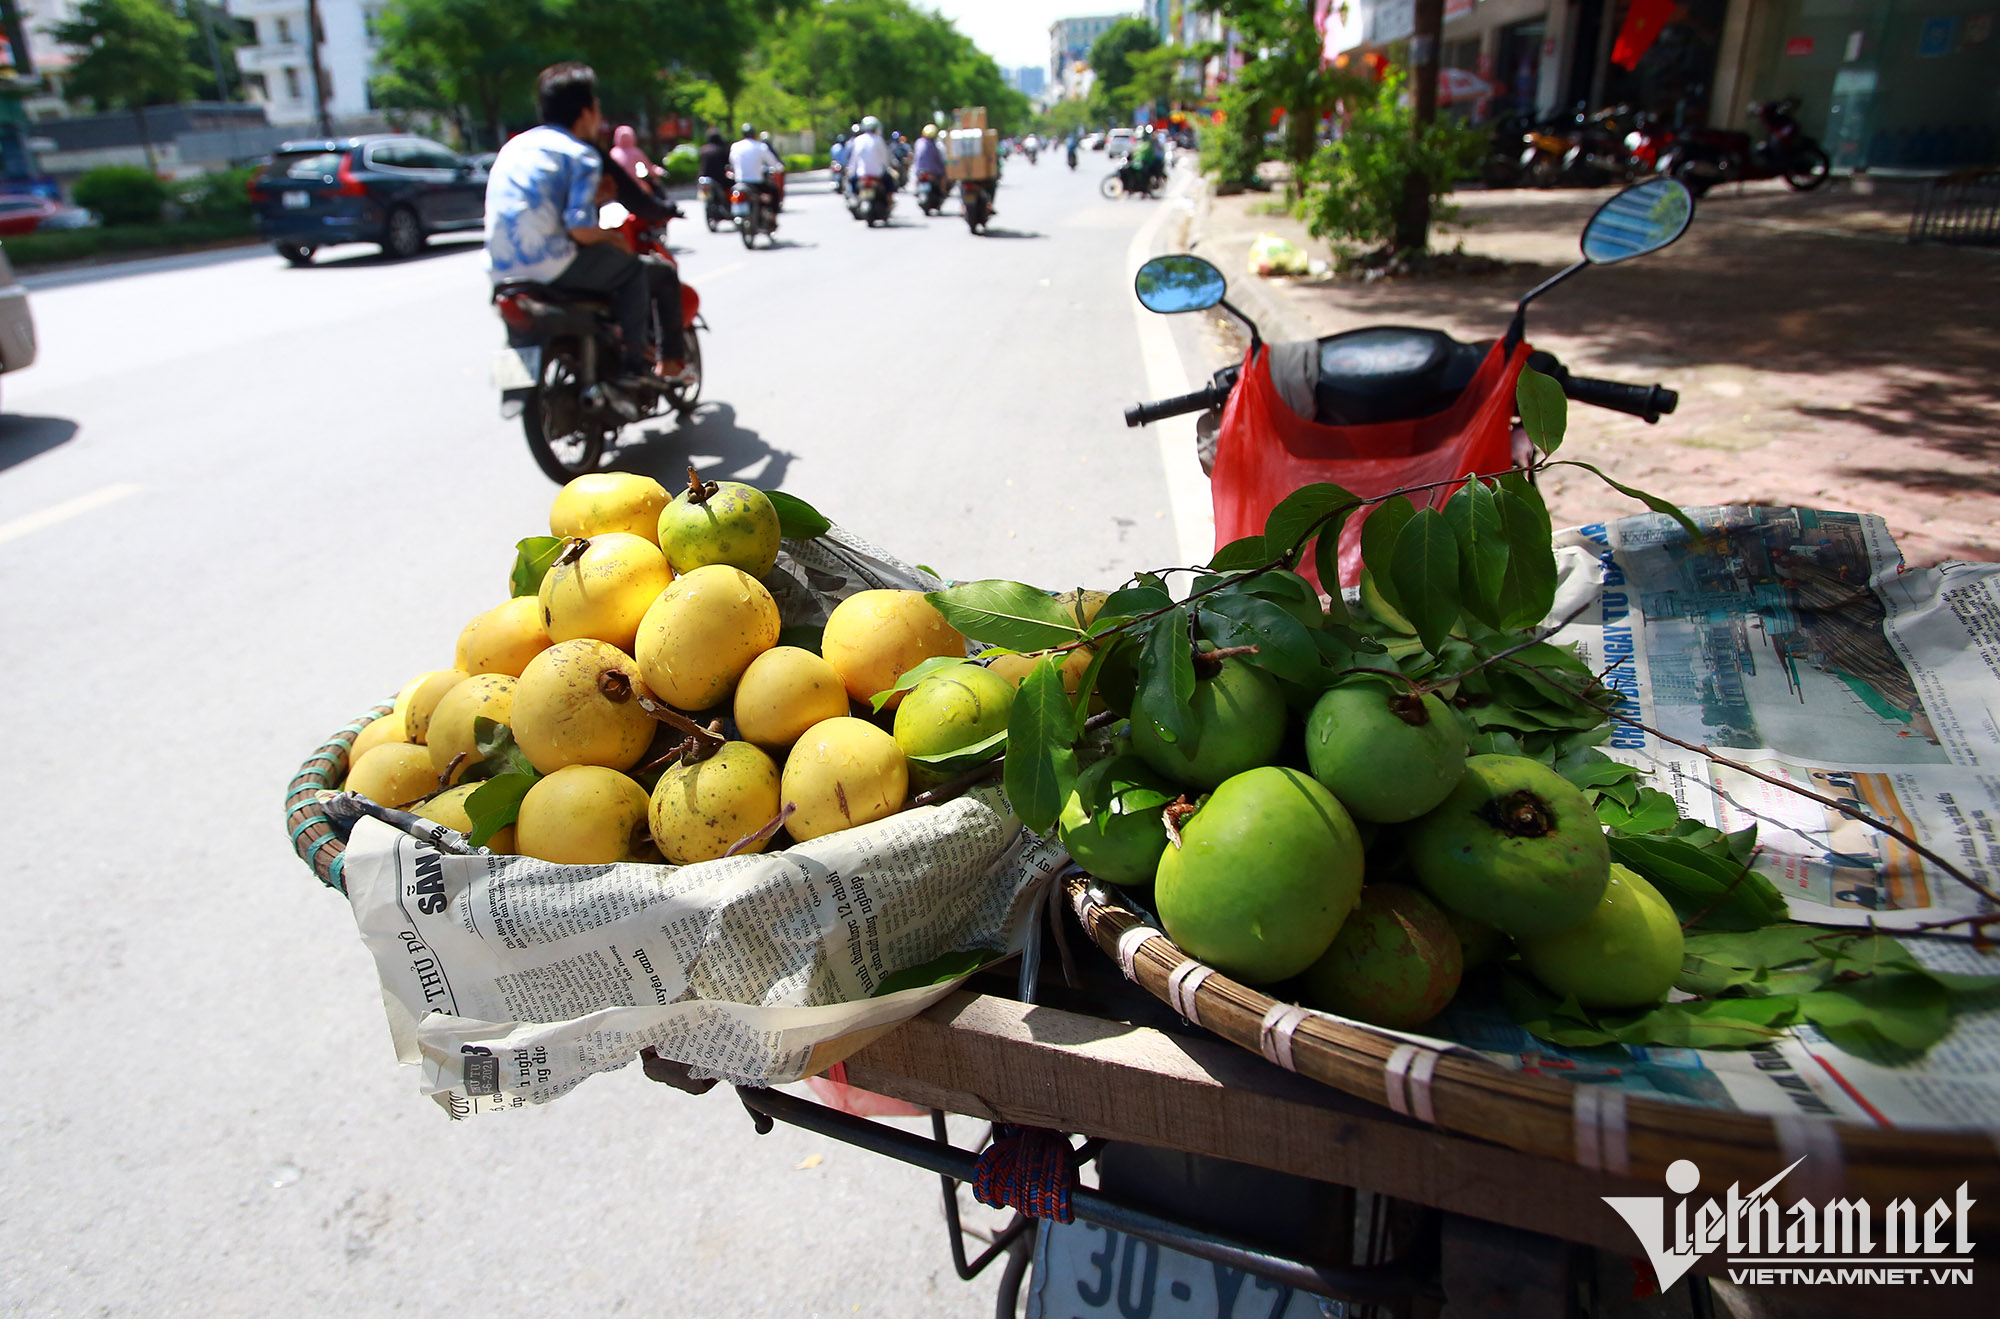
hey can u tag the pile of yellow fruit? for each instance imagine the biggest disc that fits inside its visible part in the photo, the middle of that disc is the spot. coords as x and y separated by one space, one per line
653 611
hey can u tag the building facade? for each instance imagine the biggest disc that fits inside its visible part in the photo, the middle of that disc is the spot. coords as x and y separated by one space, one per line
1070 40
279 69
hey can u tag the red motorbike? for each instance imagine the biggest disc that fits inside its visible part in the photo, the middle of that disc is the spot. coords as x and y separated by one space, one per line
1388 406
563 346
1704 157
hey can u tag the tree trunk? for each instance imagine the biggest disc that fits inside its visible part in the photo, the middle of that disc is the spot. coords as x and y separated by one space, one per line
146 140
1413 223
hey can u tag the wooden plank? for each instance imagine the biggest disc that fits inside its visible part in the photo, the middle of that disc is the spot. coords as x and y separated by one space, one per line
997 1059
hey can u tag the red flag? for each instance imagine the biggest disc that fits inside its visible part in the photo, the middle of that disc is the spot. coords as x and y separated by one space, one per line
1643 23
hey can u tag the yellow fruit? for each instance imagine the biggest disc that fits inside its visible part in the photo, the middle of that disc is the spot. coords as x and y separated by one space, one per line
486 696
1082 606
702 633
603 594
599 502
389 728
425 693
504 638
734 524
873 638
842 773
393 775
700 811
784 692
582 815
563 714
448 809
1015 667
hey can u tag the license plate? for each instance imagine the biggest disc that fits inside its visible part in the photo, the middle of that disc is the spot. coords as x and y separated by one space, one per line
739 208
517 368
297 201
1083 1270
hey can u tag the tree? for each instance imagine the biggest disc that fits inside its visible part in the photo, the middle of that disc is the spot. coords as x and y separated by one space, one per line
1111 56
849 58
130 54
1291 74
465 57
212 42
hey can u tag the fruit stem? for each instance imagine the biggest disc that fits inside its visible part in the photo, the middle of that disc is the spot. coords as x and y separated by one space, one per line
1177 810
1208 663
571 552
444 779
699 491
1520 814
758 835
701 742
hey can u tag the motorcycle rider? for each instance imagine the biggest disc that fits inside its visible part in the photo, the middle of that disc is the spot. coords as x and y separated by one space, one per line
929 159
715 157
1147 164
541 225
750 162
847 174
868 154
1070 152
776 168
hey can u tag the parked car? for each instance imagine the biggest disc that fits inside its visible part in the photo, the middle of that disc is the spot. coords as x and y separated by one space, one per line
1118 142
70 217
21 214
391 189
1092 142
17 327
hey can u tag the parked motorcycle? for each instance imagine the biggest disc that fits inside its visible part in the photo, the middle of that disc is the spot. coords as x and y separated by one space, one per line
563 345
1386 406
932 189
751 211
714 195
976 195
1704 157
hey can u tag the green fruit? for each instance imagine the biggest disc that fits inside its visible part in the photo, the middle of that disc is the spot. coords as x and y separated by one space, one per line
736 524
1482 944
1388 755
952 709
1126 847
1625 954
1396 961
1515 846
1240 721
1265 873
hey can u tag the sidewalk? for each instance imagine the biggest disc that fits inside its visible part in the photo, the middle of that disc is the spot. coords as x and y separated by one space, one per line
1821 361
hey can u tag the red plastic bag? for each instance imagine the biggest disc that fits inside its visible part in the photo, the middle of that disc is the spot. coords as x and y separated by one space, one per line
833 1090
1265 451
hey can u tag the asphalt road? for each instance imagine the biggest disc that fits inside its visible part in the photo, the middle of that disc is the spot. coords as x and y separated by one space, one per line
240 503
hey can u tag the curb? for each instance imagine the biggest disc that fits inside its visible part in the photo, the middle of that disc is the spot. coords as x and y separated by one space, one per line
1262 301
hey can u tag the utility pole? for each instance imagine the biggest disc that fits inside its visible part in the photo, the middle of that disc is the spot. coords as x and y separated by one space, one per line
199 12
319 80
1413 225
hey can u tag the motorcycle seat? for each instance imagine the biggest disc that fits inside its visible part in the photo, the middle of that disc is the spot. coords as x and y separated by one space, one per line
1391 373
557 296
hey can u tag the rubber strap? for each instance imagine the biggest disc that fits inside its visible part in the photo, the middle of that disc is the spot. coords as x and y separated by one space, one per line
1182 986
1394 1078
1420 1086
1128 949
1274 1033
1603 1143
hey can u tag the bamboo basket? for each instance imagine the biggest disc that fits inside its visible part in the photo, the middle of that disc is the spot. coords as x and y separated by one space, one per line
314 837
1596 1127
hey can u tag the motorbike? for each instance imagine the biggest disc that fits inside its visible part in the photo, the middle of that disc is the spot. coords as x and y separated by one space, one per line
753 214
977 197
873 200
714 195
1130 180
1071 154
1704 157
561 345
1387 406
932 189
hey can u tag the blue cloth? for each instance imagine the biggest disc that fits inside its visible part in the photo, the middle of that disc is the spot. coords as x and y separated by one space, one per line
542 185
930 159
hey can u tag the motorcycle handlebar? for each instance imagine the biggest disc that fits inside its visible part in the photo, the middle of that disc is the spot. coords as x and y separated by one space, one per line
1142 414
1647 402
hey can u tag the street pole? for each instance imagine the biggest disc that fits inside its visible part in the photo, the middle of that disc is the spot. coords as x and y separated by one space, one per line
199 12
1413 225
319 83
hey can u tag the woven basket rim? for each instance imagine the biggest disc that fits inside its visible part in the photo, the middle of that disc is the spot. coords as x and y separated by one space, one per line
318 843
1595 1126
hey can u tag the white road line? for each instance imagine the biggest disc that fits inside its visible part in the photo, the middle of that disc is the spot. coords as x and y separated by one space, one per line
1188 500
69 508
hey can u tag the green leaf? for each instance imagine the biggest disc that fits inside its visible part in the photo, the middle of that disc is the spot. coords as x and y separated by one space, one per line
939 970
1284 645
1656 812
496 803
1086 684
1600 773
798 520
1290 524
924 669
1695 882
497 753
1326 566
1654 502
1425 569
1041 738
1006 613
1541 1014
1378 544
1723 1023
1528 591
801 635
1241 555
1544 409
1520 485
1482 550
1132 601
965 757
533 558
1881 1015
1166 679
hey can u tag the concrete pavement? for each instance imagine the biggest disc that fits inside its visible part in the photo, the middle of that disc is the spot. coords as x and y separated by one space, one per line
239 503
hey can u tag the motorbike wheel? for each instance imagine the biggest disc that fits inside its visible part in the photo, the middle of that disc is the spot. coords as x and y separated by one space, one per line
748 231
713 224
1113 187
684 397
1691 174
1808 168
564 441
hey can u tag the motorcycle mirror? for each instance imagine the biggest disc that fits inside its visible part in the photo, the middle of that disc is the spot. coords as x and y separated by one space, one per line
1643 218
1170 284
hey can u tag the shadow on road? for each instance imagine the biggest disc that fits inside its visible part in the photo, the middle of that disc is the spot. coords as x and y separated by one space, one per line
713 442
435 248
991 232
22 438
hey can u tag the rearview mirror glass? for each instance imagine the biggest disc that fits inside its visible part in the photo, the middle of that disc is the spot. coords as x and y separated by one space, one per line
1643 218
1169 284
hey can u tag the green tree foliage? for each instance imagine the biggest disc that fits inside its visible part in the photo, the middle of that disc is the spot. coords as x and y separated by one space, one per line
1358 181
1290 76
849 58
122 194
1112 56
471 61
129 54
213 38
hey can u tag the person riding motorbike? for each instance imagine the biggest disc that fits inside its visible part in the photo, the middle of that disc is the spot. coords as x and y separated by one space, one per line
714 171
847 183
929 161
1070 150
750 163
868 154
542 197
625 150
1147 164
777 170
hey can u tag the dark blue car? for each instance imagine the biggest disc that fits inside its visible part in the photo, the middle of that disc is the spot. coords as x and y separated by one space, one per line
391 189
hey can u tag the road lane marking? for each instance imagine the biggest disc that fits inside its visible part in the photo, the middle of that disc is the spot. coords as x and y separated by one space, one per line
719 271
1188 499
63 512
